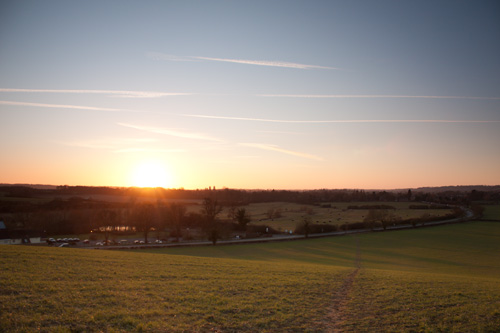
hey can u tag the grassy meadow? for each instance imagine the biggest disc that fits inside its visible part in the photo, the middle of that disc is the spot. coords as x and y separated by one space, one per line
51 289
291 213
491 212
444 278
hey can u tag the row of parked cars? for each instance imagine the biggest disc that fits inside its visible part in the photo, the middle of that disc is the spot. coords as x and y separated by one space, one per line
125 241
62 242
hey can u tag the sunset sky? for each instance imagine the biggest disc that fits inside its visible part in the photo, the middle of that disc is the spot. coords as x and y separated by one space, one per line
250 94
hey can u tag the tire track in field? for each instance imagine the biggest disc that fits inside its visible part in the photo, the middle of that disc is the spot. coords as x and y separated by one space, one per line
338 310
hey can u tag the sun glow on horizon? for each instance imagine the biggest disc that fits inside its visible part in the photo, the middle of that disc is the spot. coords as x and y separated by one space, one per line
151 174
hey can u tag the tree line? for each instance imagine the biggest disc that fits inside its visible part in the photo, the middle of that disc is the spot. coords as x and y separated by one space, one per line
159 213
449 195
153 219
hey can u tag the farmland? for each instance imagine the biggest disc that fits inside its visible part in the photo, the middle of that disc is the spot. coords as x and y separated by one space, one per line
112 215
291 214
491 212
441 278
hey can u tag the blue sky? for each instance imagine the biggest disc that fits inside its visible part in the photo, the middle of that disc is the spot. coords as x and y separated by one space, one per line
251 94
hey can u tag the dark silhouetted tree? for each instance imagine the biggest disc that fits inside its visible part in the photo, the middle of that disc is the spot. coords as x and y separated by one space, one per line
242 218
143 218
107 221
210 210
306 226
176 213
384 216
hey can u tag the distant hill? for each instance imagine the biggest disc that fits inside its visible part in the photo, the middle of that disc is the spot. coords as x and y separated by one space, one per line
36 186
428 189
460 188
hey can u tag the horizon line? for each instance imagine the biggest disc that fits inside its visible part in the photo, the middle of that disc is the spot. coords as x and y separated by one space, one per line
222 188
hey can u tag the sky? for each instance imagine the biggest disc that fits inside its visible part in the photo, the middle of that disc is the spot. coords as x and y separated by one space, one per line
250 94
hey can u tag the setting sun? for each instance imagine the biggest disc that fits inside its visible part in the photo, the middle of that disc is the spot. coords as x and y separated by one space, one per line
151 174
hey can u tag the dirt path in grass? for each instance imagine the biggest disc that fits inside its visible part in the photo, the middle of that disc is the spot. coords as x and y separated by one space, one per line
338 313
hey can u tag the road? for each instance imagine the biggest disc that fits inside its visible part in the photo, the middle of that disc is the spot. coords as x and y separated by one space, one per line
281 238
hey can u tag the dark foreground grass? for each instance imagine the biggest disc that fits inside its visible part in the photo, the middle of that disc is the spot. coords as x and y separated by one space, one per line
431 279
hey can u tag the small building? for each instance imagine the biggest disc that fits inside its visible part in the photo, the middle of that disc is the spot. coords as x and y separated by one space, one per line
19 236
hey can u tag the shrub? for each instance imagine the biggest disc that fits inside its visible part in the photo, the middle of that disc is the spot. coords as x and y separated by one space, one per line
315 228
371 207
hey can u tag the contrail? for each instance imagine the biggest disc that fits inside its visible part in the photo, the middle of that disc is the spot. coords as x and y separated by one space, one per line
344 121
63 106
378 96
266 63
119 93
281 150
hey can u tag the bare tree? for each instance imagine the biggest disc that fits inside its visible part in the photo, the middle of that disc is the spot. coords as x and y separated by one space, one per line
273 213
231 210
210 210
305 225
383 216
143 218
176 213
107 221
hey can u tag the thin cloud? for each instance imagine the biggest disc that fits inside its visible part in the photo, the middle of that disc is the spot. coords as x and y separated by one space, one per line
378 96
266 63
148 150
63 106
283 64
120 145
110 144
171 132
117 93
343 121
90 145
281 150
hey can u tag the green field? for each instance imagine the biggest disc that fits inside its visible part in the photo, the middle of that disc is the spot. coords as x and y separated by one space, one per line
491 212
443 278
